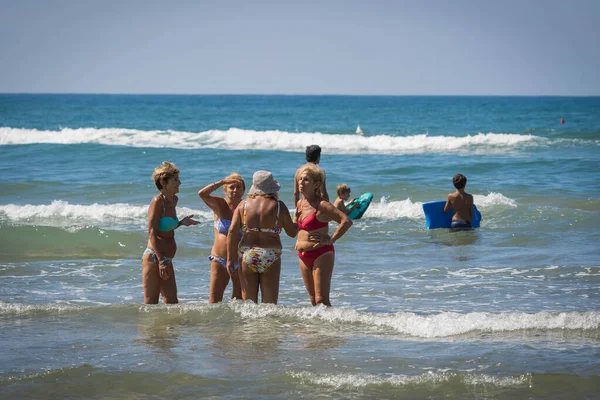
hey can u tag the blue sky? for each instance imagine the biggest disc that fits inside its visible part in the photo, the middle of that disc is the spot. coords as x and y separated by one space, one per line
419 47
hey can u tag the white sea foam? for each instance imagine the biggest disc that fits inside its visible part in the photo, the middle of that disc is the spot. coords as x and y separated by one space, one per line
395 209
430 326
241 139
77 214
61 212
429 379
444 324
408 209
24 309
493 199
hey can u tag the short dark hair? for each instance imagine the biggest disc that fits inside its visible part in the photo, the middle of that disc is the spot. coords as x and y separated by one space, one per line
459 181
313 153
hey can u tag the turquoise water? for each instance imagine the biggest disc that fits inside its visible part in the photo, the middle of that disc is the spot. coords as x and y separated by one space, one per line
511 310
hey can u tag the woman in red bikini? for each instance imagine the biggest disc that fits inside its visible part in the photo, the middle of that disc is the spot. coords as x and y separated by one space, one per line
313 214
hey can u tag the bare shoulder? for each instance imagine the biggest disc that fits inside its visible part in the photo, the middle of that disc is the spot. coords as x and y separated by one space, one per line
326 206
239 207
283 207
298 171
220 202
156 200
155 207
220 206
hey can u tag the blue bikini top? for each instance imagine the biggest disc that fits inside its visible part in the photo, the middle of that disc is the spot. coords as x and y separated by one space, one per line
167 224
222 226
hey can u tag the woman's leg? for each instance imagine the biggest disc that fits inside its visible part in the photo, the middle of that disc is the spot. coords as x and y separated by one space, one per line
150 279
249 281
219 279
322 271
168 288
269 283
309 283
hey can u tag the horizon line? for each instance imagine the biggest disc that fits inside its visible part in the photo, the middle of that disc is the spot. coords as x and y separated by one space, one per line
295 94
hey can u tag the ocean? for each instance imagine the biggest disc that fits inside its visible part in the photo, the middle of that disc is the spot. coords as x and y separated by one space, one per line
508 311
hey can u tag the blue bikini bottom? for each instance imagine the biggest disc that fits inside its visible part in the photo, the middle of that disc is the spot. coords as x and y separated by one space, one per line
150 251
223 262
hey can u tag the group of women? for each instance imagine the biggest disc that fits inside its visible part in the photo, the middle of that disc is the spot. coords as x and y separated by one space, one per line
247 247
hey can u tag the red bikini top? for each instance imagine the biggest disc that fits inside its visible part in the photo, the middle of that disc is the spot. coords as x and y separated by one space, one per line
311 222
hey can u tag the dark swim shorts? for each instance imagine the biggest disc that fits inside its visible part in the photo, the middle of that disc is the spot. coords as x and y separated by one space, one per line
460 224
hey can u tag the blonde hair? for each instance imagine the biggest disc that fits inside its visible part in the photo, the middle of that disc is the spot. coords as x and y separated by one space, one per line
343 188
237 177
315 173
163 173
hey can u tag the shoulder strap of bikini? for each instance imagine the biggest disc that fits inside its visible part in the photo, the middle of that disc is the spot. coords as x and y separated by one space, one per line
277 217
244 214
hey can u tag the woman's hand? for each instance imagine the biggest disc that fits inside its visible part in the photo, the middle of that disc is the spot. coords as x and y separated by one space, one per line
187 221
230 181
231 268
319 239
165 270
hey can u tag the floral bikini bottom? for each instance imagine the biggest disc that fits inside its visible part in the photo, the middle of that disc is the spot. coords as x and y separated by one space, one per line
259 259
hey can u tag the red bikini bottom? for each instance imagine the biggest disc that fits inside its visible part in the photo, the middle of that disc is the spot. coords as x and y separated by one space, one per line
309 257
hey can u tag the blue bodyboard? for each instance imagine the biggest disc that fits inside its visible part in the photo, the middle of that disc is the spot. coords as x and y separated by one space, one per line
436 217
364 200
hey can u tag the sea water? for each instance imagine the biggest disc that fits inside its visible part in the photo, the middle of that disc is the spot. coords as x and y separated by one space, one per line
510 310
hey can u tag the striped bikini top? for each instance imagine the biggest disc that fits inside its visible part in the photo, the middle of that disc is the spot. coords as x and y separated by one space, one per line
275 229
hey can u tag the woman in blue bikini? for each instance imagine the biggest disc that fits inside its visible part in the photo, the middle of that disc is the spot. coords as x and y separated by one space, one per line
234 188
158 275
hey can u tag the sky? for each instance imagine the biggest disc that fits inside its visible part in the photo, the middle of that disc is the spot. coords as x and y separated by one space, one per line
369 47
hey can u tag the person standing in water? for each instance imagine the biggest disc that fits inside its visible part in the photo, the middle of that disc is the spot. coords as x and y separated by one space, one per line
462 203
254 238
223 208
314 245
158 275
313 157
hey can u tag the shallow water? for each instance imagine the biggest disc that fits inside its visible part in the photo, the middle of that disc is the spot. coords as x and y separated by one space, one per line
510 310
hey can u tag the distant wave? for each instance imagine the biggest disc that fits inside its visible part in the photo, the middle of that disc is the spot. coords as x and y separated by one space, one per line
439 325
61 212
240 139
